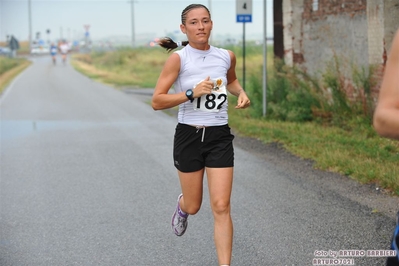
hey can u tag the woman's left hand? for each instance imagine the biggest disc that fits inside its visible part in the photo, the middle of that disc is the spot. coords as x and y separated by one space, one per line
243 101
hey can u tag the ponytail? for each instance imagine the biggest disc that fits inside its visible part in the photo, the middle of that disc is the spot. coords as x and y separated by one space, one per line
169 44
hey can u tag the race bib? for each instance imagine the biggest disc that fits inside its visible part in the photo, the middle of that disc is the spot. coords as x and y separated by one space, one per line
212 102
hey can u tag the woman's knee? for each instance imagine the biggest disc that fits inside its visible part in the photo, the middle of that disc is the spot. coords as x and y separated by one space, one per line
220 207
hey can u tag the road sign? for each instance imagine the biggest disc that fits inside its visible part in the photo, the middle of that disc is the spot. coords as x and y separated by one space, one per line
244 18
244 10
87 27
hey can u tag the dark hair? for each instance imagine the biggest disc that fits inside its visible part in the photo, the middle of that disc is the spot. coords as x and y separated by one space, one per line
167 42
188 8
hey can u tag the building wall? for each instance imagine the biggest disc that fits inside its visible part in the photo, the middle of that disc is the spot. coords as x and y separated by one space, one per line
338 29
358 32
375 13
391 21
292 24
383 21
320 30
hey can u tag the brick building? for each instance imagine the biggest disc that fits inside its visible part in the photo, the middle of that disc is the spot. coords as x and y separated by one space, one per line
309 33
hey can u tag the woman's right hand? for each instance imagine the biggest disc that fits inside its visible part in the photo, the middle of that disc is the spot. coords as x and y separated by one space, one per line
203 87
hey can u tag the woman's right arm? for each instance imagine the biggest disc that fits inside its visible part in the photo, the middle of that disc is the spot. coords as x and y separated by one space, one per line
161 99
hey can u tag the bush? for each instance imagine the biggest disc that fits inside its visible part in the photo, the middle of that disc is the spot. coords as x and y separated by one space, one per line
293 95
290 95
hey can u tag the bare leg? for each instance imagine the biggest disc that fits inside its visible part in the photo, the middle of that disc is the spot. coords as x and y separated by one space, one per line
192 188
220 182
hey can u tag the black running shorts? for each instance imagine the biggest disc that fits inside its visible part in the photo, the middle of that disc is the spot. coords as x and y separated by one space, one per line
195 148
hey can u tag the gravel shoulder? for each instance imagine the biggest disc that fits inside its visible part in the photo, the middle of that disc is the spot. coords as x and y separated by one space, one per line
376 199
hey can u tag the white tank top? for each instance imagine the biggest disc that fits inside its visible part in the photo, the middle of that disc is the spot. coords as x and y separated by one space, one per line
195 66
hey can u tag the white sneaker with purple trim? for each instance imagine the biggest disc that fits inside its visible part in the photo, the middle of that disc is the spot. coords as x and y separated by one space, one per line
179 220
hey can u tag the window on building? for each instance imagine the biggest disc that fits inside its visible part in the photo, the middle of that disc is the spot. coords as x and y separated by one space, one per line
315 6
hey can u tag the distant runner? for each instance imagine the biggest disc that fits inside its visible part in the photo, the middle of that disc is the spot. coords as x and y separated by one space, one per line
64 48
53 52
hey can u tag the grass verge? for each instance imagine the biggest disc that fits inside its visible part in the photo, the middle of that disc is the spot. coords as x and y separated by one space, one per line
11 67
359 154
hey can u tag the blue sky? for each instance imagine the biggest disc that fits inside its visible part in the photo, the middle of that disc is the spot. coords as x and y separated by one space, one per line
114 18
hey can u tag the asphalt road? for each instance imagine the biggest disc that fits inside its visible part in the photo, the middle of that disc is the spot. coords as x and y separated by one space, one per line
87 178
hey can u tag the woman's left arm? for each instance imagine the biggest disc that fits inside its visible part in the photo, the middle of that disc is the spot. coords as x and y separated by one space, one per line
233 85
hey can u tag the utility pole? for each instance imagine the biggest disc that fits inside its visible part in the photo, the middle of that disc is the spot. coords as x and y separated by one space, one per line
244 15
264 85
87 36
30 25
48 36
133 33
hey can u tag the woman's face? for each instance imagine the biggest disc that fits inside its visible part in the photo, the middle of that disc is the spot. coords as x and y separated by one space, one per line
198 26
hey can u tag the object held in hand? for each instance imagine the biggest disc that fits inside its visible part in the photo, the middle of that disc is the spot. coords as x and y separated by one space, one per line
219 83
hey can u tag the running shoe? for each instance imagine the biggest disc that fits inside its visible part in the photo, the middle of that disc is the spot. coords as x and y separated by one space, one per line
179 220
